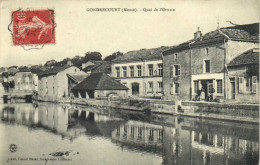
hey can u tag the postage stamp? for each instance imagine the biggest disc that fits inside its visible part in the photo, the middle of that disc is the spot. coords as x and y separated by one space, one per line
33 27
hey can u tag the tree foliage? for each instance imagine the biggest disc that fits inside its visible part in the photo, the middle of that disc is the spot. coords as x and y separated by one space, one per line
92 56
113 56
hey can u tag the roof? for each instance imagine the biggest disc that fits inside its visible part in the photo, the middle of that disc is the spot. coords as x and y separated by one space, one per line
246 32
99 66
142 54
53 71
184 45
77 77
99 81
249 57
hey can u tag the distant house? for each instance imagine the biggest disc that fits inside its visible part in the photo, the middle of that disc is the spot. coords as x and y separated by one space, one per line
99 85
74 79
53 83
25 82
141 71
245 69
97 66
200 64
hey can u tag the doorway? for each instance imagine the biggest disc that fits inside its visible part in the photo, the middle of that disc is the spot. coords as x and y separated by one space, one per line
135 89
232 88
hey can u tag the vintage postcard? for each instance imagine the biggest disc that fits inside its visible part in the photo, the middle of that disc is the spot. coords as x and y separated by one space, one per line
150 82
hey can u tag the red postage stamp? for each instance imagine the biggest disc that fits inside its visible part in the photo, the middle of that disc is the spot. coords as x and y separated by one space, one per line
33 27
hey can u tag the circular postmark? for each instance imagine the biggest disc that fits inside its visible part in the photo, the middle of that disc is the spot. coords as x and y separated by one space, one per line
12 147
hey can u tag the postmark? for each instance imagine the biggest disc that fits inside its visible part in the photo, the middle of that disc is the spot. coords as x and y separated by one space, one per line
12 147
33 27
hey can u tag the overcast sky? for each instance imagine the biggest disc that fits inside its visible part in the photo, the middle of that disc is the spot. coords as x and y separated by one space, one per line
79 31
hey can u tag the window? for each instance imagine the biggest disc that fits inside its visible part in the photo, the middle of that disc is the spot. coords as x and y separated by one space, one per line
160 86
139 70
117 72
150 67
254 84
207 66
172 89
206 51
248 85
160 69
219 86
150 87
176 87
132 71
171 71
196 86
175 56
124 71
177 69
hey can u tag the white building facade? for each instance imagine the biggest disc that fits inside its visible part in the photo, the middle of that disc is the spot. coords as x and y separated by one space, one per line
143 78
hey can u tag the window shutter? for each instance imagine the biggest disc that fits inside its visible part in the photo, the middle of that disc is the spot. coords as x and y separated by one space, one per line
254 84
179 70
171 71
241 84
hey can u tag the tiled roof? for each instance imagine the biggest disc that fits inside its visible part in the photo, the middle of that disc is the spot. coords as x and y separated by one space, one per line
142 54
100 66
249 57
184 45
99 81
77 77
246 32
53 71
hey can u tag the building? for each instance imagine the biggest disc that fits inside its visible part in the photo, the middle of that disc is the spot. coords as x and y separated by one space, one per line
141 71
99 85
244 69
25 82
53 83
74 79
200 64
97 66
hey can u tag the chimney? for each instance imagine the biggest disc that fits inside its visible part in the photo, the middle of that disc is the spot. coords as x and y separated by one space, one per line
198 34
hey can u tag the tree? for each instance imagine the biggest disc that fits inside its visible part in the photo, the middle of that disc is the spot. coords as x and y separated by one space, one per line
113 56
50 63
92 56
77 61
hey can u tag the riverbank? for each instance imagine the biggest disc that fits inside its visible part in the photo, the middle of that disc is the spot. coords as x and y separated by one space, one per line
209 110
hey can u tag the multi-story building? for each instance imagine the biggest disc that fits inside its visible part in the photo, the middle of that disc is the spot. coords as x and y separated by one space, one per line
200 65
25 82
141 71
53 83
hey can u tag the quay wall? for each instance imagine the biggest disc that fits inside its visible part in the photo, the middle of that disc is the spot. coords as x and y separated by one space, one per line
223 111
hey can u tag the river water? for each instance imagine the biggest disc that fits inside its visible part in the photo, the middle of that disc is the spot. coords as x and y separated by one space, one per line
48 133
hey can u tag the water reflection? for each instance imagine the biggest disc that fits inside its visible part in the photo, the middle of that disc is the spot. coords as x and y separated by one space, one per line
180 141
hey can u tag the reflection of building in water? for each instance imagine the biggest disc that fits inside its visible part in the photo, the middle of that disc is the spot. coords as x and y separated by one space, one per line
139 134
53 117
221 144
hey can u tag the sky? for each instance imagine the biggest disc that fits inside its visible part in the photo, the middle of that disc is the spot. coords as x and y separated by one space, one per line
79 31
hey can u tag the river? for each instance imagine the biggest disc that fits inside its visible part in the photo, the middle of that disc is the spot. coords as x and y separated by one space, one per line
48 133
